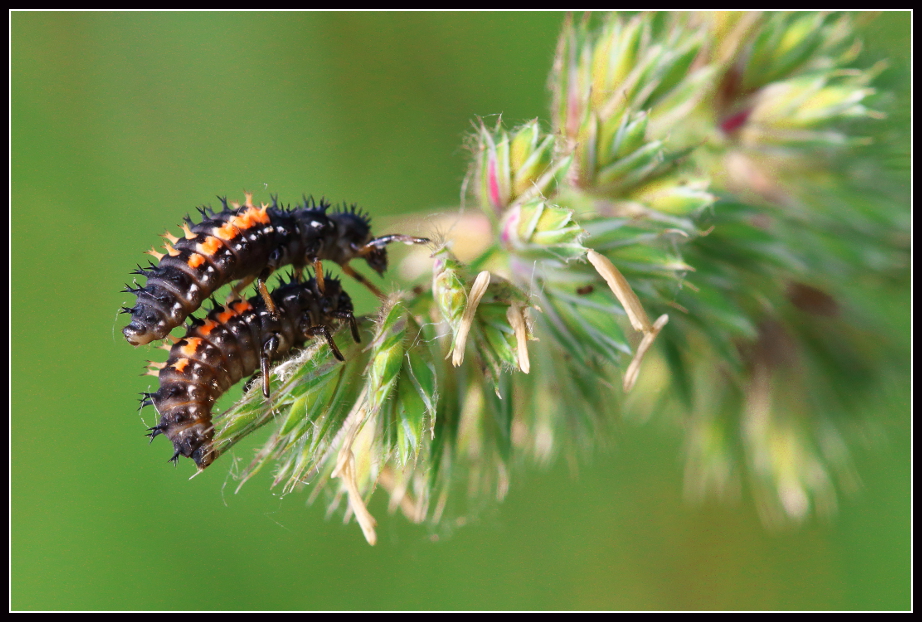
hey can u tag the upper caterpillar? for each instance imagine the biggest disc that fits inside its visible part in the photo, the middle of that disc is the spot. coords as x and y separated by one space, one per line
246 243
232 342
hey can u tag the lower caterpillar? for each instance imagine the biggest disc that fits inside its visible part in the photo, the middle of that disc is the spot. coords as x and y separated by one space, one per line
232 342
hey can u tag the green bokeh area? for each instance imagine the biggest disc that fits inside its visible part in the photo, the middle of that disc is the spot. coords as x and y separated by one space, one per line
121 124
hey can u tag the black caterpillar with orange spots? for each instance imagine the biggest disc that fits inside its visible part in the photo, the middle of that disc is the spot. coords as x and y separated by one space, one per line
245 243
232 342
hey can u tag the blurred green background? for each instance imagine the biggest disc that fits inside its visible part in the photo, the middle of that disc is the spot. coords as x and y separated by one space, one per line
124 122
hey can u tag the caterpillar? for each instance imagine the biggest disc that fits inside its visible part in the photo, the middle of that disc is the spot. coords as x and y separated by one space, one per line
232 342
246 243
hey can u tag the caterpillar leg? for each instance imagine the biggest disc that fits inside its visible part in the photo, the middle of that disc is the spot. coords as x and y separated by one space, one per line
353 323
384 240
318 276
264 292
269 349
270 304
322 329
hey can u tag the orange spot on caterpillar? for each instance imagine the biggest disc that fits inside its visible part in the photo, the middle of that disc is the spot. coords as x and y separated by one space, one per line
261 215
246 220
209 247
225 315
228 231
181 365
195 260
191 346
205 329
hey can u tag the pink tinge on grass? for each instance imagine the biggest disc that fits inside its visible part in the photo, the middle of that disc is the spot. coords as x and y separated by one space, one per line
734 122
493 180
510 226
573 108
